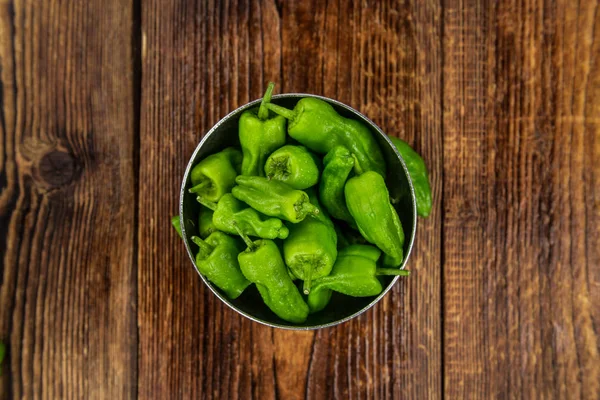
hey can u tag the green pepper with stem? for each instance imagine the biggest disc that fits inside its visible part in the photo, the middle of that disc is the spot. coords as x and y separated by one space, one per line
337 166
229 212
418 175
261 264
354 274
273 198
293 165
260 136
217 260
311 248
315 124
368 201
215 175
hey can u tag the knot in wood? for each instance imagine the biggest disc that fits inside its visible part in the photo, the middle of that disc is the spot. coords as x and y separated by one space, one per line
56 168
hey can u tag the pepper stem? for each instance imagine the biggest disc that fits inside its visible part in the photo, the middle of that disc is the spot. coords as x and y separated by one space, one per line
199 187
284 112
357 168
392 271
204 247
206 203
309 209
308 271
263 111
245 237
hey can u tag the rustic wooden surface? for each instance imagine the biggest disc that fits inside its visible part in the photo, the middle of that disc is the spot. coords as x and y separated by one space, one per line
102 103
68 240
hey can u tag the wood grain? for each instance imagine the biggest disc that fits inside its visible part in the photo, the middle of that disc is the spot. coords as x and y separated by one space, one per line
67 206
212 57
395 349
103 102
200 60
521 100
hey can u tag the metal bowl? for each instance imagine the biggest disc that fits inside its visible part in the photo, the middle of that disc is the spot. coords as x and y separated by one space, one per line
341 308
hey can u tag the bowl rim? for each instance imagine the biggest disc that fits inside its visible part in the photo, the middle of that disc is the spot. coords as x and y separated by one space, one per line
192 257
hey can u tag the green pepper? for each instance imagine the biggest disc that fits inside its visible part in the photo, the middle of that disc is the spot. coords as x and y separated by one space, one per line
337 165
205 222
318 300
310 250
369 204
294 165
260 136
229 212
261 264
273 198
215 175
315 124
418 175
217 260
354 274
177 225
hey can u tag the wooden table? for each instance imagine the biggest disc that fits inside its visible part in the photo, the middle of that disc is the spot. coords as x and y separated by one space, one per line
103 101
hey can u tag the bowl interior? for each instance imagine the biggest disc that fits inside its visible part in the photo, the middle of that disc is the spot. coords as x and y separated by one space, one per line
341 308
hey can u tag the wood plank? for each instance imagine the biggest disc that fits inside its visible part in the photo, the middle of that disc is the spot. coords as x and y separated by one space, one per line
381 68
67 200
201 60
521 99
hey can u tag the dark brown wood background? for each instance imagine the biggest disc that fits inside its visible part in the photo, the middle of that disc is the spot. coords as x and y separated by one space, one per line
103 101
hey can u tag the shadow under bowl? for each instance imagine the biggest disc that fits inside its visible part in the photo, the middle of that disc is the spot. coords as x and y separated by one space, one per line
341 308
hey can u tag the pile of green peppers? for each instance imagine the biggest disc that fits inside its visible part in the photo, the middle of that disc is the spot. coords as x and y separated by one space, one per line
302 210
